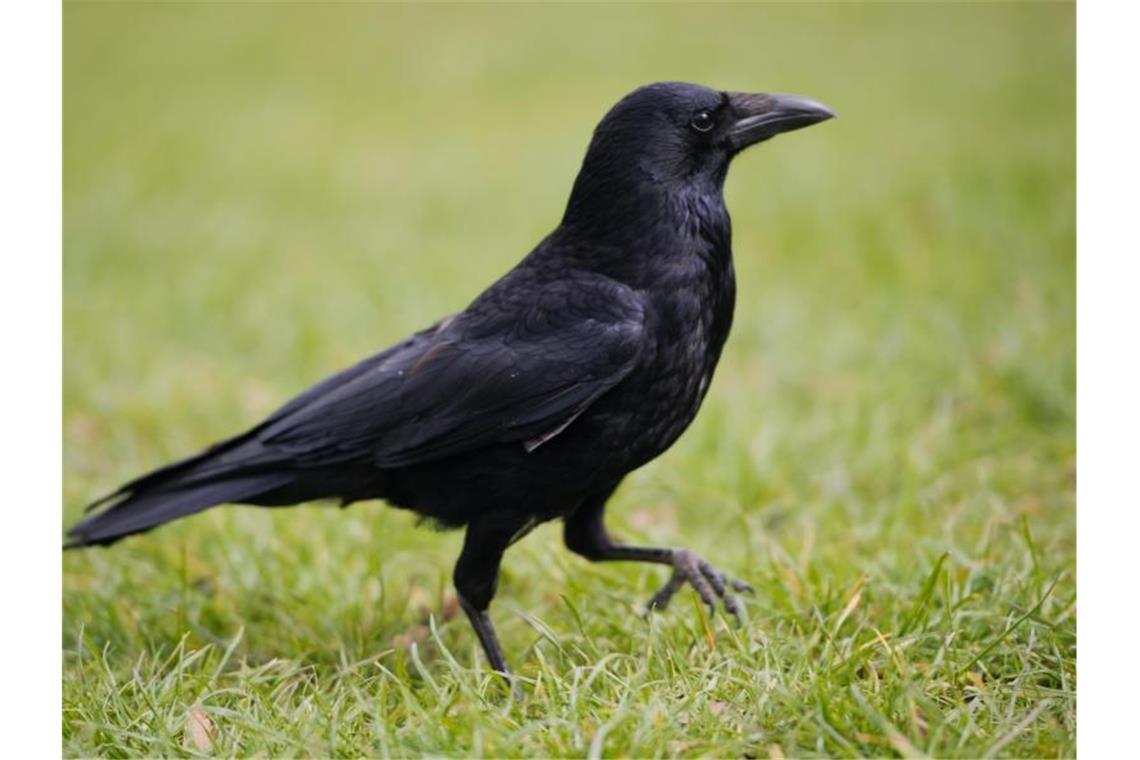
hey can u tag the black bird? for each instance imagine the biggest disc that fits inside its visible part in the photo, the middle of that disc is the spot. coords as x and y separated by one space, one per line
584 362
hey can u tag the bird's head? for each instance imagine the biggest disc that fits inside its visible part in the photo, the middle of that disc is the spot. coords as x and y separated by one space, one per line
672 133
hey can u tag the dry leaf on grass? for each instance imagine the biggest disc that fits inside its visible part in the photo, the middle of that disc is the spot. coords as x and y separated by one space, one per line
199 732
417 634
421 632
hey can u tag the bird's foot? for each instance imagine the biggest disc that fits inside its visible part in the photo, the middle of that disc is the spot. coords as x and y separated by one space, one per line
705 579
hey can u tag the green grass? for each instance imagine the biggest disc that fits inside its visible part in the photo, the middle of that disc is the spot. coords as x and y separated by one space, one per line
258 195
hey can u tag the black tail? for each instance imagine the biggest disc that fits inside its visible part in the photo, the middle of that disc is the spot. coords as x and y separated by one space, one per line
235 471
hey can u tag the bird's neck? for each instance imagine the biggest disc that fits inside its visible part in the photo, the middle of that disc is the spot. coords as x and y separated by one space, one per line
611 198
648 229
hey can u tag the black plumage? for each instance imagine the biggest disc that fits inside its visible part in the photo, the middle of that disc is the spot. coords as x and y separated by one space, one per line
585 361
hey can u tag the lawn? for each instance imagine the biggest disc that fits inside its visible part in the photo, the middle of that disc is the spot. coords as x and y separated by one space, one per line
257 195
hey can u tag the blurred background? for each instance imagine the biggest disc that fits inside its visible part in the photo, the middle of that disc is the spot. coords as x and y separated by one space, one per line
258 195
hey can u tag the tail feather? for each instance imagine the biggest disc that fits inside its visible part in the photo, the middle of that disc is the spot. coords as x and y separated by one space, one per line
211 457
139 512
230 472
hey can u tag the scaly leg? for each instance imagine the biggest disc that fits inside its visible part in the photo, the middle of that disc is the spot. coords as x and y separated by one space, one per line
477 576
585 534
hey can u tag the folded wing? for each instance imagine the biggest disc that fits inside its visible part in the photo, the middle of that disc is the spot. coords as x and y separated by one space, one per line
520 371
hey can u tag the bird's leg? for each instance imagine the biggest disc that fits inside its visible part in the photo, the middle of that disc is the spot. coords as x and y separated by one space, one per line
481 622
702 576
585 534
477 577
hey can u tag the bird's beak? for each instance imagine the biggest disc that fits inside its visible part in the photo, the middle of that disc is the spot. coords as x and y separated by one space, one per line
760 116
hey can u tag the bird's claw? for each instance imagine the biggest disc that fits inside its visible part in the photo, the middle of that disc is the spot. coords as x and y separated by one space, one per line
706 580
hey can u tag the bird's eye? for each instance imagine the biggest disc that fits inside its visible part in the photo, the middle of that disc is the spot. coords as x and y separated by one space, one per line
702 121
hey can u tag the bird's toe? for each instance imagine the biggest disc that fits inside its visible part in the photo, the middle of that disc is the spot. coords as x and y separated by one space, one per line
709 583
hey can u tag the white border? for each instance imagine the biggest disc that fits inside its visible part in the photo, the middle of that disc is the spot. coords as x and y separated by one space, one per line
1108 381
30 357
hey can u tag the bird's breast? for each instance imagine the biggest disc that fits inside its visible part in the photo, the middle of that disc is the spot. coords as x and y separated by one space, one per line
690 315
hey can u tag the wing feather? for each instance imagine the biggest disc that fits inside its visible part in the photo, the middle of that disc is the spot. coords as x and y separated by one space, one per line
520 370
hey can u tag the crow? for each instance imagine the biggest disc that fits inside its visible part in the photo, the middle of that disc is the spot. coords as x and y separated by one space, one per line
585 361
